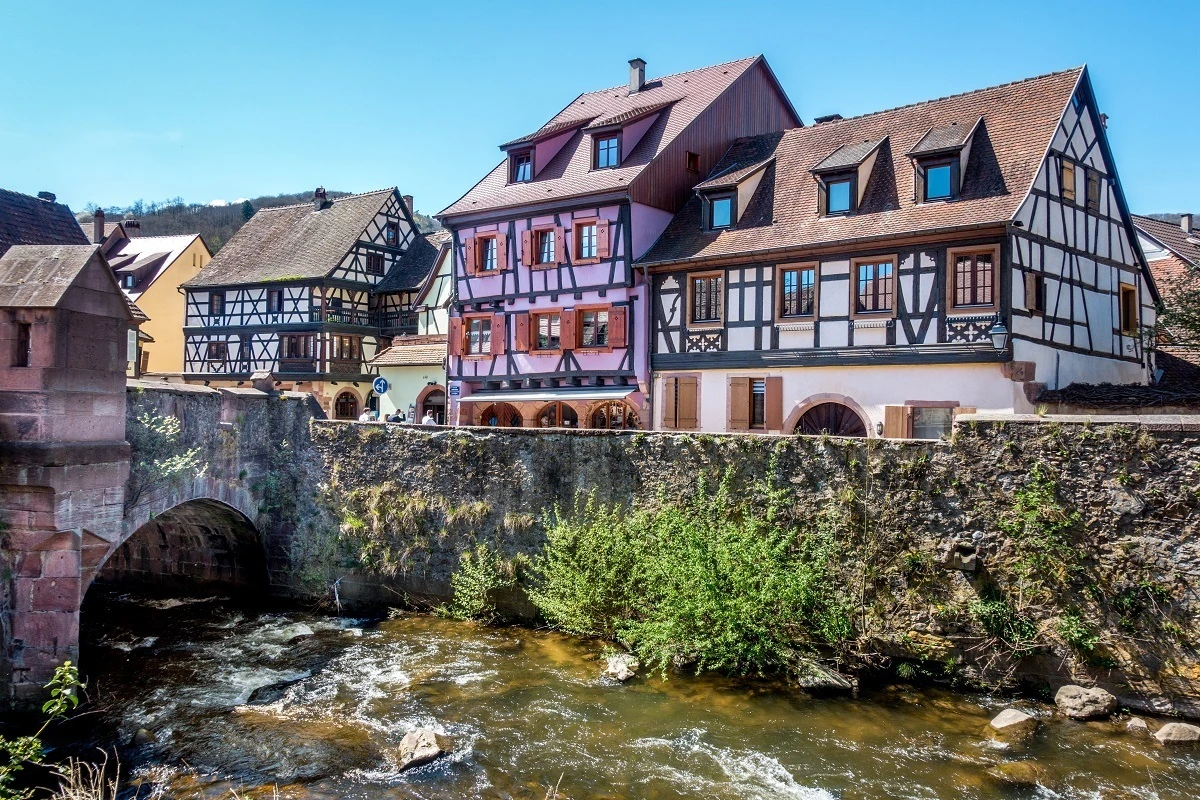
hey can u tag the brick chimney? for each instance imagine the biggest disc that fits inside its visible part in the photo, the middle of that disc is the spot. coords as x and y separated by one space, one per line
49 197
408 203
319 198
1185 222
98 226
133 228
637 75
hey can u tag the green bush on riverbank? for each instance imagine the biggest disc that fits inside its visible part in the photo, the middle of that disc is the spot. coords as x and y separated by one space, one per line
722 582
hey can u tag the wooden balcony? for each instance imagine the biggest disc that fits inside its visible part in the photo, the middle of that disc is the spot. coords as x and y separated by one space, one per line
297 365
344 316
397 323
344 367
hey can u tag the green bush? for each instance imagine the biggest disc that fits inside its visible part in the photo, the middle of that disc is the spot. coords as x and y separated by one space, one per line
723 583
1077 633
1041 526
1004 622
481 573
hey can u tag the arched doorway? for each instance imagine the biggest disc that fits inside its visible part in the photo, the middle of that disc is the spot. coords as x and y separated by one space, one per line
834 419
614 416
373 402
557 415
501 415
345 406
433 403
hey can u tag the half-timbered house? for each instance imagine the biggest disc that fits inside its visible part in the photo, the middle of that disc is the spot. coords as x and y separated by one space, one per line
293 293
876 275
550 320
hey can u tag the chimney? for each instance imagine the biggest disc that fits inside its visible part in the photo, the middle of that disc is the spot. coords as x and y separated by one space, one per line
408 203
827 118
98 226
1104 121
49 197
319 198
1185 222
637 75
133 228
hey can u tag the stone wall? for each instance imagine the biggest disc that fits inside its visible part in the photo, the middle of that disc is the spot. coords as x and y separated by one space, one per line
929 519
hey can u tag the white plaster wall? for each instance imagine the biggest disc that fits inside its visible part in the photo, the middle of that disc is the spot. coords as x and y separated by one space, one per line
404 384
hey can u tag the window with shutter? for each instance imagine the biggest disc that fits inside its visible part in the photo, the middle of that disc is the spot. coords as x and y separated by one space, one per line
527 248
603 248
679 402
498 335
895 422
455 343
502 251
617 327
739 404
469 258
521 333
1035 293
972 277
774 403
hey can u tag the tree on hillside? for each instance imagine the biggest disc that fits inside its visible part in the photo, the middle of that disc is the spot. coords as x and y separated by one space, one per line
247 210
1179 322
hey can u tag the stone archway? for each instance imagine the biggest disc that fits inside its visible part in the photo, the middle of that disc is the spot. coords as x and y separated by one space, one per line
813 401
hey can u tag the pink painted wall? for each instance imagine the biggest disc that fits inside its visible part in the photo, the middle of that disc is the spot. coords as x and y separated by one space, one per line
648 224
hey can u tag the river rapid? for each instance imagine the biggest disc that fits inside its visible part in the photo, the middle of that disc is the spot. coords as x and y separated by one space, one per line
202 697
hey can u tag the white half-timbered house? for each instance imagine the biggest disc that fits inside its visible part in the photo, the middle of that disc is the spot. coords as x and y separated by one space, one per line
296 293
879 274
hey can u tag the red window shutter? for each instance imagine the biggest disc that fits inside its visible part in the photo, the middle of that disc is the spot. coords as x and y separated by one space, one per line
527 248
603 250
456 336
497 334
617 327
560 245
739 404
686 417
501 251
567 329
669 395
774 404
521 333
469 256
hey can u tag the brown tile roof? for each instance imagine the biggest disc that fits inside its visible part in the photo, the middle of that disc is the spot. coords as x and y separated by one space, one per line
636 112
569 173
549 129
414 266
37 276
291 242
945 137
1171 236
30 220
1019 122
736 172
138 314
848 155
416 351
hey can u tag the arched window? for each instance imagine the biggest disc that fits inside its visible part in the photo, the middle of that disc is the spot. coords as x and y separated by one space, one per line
345 406
435 404
615 416
500 415
834 419
557 415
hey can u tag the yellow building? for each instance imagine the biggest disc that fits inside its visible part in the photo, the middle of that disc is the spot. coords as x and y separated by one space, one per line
150 270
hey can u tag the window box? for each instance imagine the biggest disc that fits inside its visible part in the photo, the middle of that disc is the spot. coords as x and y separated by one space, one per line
973 278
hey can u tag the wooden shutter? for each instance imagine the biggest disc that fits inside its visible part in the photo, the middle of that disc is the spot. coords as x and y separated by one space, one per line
560 245
774 404
739 404
521 334
527 248
686 417
669 394
456 336
896 422
1031 299
501 251
469 256
497 334
566 329
617 327
603 249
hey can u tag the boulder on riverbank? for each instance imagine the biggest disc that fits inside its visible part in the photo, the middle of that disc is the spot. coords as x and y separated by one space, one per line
621 667
1078 702
1137 726
1012 723
816 677
1178 733
422 746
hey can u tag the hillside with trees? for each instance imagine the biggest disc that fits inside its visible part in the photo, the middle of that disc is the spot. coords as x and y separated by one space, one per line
217 224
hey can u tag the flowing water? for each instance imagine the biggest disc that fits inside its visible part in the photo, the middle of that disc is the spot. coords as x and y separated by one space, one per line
522 708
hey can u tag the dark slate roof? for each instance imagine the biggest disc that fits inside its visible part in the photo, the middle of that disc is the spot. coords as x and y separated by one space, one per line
1020 121
414 266
37 276
1181 390
291 242
943 138
1171 236
31 220
848 155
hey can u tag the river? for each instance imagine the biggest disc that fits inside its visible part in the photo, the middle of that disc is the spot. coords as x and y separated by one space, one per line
524 707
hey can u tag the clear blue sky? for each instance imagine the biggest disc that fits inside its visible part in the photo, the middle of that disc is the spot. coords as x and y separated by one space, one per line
109 103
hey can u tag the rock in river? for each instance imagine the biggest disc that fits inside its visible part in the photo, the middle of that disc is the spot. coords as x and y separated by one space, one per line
1178 733
1017 773
621 667
422 746
1080 703
1137 726
1014 722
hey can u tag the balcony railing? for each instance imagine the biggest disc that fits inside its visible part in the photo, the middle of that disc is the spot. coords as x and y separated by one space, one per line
339 366
297 365
345 316
397 323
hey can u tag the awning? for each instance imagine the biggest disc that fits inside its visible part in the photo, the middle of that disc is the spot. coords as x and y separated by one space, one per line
548 395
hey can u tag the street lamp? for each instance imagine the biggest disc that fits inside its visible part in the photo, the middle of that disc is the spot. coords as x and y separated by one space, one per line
999 334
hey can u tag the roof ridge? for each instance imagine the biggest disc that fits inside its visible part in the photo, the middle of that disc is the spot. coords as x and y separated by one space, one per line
334 200
671 75
832 123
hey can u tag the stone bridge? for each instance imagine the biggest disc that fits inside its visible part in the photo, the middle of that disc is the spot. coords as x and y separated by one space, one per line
83 515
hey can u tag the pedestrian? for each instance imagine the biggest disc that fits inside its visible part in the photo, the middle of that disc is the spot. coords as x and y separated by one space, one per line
428 419
395 417
365 416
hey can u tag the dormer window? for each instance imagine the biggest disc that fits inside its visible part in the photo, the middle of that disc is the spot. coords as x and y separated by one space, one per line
522 167
840 194
940 159
391 234
721 212
608 151
938 184
128 281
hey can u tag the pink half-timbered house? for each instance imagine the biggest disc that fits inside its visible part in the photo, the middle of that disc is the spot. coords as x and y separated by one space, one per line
550 321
